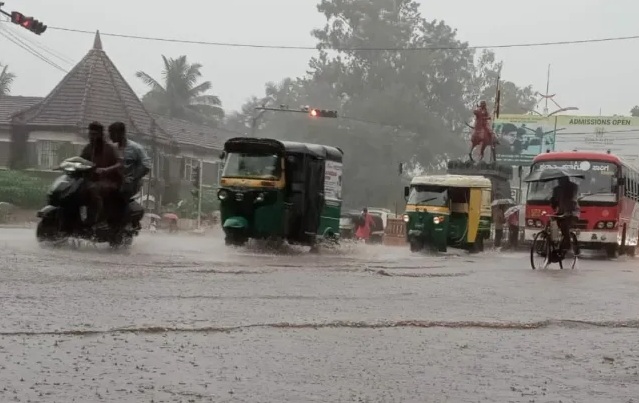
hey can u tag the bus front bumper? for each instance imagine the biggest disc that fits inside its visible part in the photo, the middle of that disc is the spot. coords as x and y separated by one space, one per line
584 236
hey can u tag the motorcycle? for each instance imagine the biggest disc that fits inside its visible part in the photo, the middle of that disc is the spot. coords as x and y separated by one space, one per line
65 214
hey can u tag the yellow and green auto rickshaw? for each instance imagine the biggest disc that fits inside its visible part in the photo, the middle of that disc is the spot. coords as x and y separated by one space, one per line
448 210
281 190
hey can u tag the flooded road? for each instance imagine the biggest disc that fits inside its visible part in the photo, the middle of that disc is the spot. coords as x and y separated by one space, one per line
184 319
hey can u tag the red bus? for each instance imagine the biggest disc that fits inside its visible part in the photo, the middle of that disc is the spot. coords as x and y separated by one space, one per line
609 200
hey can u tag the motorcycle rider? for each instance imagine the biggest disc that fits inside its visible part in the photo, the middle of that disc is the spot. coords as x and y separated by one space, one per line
137 163
106 179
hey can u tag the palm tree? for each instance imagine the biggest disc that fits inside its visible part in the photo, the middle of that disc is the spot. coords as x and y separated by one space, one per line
6 79
180 96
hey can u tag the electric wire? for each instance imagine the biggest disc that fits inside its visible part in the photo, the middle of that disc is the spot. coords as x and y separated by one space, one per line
45 49
16 41
339 48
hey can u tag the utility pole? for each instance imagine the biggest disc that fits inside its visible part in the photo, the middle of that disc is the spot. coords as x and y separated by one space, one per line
196 181
153 168
199 199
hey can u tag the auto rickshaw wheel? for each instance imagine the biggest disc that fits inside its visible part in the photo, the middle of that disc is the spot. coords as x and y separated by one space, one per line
235 239
416 245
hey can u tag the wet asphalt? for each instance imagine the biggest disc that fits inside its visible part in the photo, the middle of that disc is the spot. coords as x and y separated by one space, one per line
185 319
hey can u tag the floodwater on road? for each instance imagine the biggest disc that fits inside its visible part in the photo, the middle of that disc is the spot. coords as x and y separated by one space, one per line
185 319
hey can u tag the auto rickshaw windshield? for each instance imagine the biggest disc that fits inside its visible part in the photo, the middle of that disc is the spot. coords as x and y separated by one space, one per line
431 195
252 165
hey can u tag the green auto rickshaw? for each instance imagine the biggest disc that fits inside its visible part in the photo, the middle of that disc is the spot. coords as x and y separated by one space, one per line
448 210
280 190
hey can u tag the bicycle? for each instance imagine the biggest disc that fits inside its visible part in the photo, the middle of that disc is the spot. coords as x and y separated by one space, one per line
547 245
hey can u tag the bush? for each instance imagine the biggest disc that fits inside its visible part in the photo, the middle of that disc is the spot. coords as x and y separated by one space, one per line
23 190
188 209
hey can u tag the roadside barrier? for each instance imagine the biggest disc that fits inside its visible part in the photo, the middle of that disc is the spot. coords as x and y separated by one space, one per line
395 232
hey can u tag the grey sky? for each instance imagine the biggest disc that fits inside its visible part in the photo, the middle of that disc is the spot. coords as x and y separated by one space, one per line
591 76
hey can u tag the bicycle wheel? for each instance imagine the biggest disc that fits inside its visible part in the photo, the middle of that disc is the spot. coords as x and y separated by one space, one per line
575 250
540 251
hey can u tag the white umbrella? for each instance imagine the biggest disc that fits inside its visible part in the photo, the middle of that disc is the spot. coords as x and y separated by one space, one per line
513 210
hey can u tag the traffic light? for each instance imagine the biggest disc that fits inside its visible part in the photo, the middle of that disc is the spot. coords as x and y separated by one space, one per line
321 113
29 23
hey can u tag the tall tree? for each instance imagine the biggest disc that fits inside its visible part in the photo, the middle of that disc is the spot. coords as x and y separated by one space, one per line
514 99
180 94
635 111
395 106
6 80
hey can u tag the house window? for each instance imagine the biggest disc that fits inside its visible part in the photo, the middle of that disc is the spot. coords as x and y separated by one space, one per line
189 163
48 154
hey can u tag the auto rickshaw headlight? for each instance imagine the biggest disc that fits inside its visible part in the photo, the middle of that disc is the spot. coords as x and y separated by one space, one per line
406 218
438 220
222 194
259 198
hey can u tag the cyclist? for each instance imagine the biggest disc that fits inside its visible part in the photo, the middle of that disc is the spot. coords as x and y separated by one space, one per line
564 202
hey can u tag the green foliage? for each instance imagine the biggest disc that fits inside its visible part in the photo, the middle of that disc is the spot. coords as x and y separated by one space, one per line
22 189
635 111
180 95
409 107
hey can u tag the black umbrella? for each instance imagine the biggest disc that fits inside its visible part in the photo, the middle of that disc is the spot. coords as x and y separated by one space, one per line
552 174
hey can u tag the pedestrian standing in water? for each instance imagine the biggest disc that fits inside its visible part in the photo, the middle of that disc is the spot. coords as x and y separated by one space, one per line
366 226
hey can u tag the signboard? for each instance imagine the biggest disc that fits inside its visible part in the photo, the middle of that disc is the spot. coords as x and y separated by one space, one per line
619 134
522 137
333 181
604 168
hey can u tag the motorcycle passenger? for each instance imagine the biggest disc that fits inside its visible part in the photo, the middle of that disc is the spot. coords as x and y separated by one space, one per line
137 163
105 181
564 201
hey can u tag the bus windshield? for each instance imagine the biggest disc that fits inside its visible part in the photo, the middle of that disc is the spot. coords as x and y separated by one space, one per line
599 184
436 196
252 165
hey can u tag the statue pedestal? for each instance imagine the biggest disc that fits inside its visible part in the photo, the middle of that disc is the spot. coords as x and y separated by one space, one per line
499 175
488 169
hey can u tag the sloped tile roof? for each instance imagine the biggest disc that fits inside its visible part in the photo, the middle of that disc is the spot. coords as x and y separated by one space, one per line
193 134
94 90
9 105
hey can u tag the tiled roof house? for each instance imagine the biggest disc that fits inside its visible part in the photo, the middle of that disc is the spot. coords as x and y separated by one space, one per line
43 131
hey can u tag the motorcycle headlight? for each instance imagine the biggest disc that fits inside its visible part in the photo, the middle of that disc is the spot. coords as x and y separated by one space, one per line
222 194
406 218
